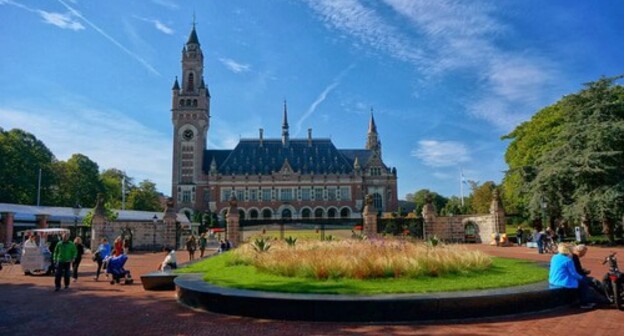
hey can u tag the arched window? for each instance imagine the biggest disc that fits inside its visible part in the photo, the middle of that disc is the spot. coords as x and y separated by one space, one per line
306 213
318 213
286 214
194 102
181 102
345 213
377 202
253 214
190 84
266 214
331 213
188 102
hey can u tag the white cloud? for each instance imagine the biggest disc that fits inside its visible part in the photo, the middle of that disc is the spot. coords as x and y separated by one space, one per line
158 25
441 153
446 36
370 29
322 96
109 138
65 21
235 66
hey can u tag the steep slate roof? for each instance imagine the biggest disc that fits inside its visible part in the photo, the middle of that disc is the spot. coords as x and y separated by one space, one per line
318 157
193 37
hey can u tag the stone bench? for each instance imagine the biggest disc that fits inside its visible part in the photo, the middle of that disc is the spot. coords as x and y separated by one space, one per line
158 281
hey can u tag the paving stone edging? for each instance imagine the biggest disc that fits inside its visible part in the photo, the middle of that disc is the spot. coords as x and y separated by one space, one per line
193 292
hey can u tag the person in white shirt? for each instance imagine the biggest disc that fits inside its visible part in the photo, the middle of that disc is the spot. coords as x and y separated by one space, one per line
170 261
31 242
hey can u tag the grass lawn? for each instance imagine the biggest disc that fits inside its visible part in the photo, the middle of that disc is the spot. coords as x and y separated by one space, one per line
503 273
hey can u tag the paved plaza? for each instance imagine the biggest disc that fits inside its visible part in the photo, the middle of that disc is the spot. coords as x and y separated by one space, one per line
31 307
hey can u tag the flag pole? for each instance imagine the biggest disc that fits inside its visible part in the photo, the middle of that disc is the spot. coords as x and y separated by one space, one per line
461 186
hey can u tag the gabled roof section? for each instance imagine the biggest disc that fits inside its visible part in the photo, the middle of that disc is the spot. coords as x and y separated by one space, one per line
252 157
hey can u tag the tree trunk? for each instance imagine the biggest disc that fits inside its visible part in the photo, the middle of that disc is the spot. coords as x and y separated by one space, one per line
607 229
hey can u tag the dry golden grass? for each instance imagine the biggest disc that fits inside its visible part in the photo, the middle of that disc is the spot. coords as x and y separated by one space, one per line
361 259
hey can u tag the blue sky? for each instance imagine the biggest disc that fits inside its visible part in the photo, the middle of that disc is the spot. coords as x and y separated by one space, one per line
445 79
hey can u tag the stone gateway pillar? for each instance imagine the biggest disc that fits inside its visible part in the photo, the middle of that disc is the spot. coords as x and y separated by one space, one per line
169 220
370 217
6 228
233 222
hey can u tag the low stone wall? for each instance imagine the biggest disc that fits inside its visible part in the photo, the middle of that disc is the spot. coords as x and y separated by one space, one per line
453 228
145 234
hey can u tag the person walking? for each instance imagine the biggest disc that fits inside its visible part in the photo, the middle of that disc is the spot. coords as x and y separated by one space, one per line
191 246
79 252
64 254
102 253
519 235
202 244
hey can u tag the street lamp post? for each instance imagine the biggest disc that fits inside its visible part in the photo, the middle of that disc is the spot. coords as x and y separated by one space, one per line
154 221
544 207
76 210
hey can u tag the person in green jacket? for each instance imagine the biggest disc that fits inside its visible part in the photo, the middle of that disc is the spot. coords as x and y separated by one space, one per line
64 254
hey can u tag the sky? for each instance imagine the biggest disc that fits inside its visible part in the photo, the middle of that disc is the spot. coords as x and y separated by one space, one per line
443 79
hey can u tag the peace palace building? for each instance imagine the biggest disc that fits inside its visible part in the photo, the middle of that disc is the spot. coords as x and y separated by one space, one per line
271 178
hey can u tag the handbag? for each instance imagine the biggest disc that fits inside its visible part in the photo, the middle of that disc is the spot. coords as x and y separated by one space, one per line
97 256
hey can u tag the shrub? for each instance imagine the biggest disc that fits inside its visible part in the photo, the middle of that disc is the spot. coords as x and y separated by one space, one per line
361 259
261 244
291 241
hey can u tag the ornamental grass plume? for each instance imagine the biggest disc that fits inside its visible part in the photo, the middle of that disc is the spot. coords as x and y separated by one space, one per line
362 259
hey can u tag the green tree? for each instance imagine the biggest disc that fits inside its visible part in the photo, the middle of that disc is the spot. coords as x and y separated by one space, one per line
529 142
578 173
112 180
419 198
78 181
454 206
481 197
21 157
145 197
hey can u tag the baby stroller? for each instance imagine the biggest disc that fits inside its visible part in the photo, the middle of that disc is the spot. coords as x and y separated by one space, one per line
116 269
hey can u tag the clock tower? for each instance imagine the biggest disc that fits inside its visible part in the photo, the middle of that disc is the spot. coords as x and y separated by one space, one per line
190 114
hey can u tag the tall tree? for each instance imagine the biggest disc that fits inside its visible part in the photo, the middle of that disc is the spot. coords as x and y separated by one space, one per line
79 181
112 180
145 197
455 206
578 174
438 200
22 155
481 197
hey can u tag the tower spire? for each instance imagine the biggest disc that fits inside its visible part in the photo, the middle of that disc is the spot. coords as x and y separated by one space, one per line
372 138
372 128
285 135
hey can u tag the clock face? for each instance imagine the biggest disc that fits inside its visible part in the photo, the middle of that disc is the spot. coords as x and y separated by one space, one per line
187 135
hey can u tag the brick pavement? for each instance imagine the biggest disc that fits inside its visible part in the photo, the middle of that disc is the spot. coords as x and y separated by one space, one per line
31 307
